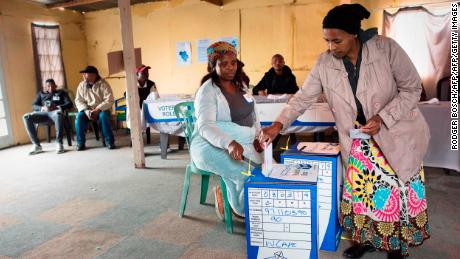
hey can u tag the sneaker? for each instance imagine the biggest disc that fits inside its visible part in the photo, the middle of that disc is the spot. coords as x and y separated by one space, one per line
111 146
35 150
81 147
219 202
59 148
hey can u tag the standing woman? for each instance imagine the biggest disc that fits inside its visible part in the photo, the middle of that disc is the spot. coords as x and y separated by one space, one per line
226 126
369 82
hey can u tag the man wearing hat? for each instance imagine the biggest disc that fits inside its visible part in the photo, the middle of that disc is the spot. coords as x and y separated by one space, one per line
94 100
144 85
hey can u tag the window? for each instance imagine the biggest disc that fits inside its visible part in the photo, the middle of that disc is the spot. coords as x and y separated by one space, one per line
425 36
6 138
3 124
47 54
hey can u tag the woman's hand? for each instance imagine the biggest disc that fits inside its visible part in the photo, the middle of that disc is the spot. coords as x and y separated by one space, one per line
268 134
372 126
257 146
235 150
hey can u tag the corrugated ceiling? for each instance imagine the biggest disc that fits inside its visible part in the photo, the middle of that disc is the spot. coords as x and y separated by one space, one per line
101 5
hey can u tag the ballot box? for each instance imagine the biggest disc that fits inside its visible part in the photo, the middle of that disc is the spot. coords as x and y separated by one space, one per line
328 193
281 217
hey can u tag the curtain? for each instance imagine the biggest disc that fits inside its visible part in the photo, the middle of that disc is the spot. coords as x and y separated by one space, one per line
47 54
425 36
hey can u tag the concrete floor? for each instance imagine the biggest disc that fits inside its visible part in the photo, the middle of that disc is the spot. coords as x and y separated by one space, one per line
94 204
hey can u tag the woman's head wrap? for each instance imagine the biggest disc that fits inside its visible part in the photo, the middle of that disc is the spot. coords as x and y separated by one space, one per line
346 17
219 49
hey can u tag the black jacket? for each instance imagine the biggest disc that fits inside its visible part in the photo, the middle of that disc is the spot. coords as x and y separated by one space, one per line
275 84
144 92
60 98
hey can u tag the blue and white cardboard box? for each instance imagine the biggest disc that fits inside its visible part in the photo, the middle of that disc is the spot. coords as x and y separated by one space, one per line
328 193
280 218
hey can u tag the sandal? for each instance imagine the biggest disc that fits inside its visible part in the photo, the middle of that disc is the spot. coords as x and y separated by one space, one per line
219 202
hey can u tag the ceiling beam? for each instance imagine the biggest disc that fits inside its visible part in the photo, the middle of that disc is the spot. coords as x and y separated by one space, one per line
72 3
215 2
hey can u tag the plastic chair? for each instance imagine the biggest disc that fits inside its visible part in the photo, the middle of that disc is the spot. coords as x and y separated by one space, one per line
97 129
185 113
120 112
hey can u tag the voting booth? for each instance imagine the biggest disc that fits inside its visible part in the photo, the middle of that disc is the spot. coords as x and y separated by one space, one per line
328 193
292 208
280 218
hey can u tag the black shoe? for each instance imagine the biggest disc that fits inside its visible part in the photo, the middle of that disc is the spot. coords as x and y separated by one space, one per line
358 250
81 147
111 146
395 255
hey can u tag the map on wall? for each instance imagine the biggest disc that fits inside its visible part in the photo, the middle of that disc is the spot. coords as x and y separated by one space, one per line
232 40
183 53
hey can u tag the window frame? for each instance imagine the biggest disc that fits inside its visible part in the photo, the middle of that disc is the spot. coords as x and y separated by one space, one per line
38 71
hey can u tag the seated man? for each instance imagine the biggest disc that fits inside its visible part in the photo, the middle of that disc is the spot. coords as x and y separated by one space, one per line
145 88
278 80
94 100
144 85
48 106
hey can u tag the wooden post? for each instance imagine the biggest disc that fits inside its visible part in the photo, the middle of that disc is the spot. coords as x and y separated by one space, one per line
131 82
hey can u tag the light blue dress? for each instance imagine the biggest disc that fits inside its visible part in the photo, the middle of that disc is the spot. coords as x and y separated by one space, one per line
214 131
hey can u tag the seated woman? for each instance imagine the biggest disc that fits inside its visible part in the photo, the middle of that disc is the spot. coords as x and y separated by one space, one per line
226 126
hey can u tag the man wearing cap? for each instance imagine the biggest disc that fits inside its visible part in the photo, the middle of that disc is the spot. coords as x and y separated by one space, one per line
48 106
144 85
94 100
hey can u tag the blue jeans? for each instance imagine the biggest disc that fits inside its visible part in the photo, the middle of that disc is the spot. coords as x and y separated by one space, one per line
37 117
81 123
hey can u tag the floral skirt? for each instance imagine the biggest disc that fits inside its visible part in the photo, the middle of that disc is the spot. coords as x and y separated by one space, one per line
377 207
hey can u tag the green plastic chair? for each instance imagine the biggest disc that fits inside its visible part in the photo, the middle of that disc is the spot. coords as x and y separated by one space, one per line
185 113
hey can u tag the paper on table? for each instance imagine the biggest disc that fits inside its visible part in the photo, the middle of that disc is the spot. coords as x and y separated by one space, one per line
319 147
277 96
268 160
153 96
295 172
431 101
